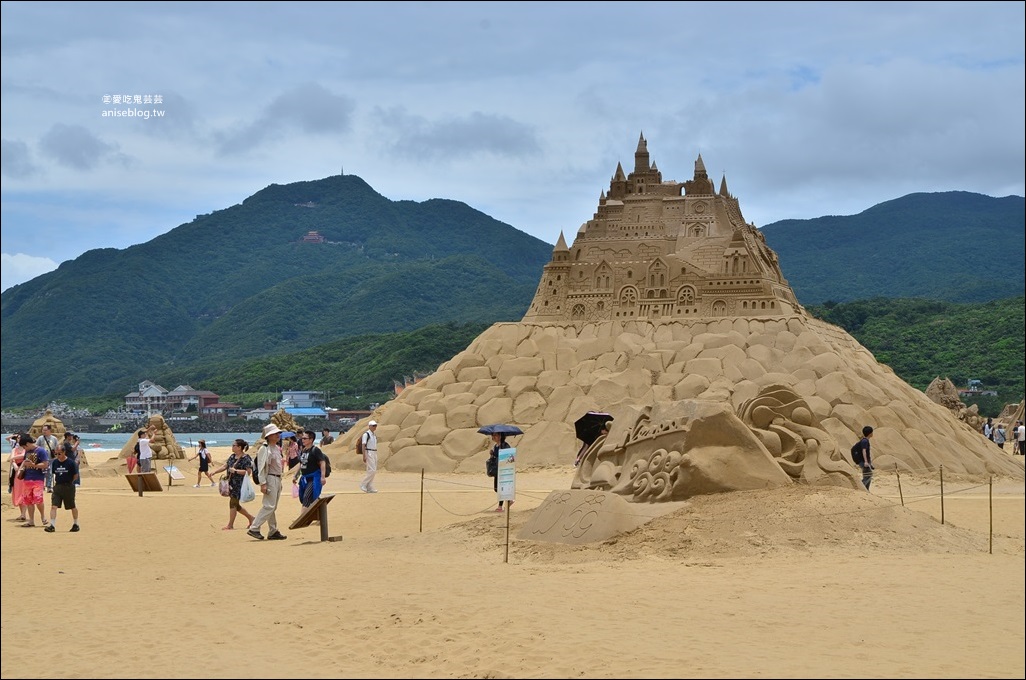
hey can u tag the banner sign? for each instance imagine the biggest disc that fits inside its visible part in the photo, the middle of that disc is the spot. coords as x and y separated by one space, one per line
507 474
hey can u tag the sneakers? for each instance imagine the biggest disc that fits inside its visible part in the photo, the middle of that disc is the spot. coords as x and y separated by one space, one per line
372 490
363 488
49 529
74 527
254 533
196 486
277 536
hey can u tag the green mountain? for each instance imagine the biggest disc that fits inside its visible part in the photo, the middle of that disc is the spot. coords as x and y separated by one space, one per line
954 246
240 283
213 298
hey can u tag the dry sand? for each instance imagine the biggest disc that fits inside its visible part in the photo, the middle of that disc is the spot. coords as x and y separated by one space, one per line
793 583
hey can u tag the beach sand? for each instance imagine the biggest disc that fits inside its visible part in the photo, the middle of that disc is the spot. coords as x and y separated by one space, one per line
797 582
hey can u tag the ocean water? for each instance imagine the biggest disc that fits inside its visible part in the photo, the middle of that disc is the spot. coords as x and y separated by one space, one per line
115 441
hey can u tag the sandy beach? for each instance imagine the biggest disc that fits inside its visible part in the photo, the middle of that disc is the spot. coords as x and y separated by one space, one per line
801 582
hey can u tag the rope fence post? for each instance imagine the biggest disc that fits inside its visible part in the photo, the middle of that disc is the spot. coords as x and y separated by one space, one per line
990 494
942 492
898 475
422 500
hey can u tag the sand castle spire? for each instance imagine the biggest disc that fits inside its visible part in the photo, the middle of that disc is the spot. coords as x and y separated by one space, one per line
662 251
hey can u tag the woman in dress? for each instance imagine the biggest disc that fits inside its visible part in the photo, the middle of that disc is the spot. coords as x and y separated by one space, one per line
16 484
290 449
237 466
204 464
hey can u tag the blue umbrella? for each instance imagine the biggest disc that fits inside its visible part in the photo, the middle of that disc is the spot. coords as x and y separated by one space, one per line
498 428
286 435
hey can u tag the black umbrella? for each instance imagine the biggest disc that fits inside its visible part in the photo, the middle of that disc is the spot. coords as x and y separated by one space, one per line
589 426
499 428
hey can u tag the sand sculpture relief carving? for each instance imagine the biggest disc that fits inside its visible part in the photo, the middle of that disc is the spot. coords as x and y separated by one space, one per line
669 305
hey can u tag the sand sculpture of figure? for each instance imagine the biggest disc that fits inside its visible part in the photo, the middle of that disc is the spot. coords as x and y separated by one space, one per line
944 392
285 422
668 296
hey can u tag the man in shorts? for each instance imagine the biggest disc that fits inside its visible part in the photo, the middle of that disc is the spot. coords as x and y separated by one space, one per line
65 472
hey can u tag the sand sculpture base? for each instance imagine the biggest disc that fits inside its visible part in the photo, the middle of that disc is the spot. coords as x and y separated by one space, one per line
577 516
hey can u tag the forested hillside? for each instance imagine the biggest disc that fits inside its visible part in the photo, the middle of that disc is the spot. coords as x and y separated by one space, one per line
955 246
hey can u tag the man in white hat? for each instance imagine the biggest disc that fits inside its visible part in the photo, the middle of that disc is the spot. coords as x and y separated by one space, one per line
268 469
370 457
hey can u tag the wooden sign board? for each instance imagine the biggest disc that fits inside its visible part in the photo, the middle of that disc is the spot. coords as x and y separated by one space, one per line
313 513
143 481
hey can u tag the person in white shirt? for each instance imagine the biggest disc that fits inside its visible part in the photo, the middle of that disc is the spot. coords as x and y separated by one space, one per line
145 452
370 457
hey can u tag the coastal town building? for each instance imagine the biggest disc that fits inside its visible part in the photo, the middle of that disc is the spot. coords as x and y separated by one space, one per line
153 398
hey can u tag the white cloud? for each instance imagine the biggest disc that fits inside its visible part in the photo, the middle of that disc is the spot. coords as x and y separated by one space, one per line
521 110
19 268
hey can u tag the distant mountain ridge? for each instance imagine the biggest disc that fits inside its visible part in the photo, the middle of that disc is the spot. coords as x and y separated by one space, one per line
239 283
954 246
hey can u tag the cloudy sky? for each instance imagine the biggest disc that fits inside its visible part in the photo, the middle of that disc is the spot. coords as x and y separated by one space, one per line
519 109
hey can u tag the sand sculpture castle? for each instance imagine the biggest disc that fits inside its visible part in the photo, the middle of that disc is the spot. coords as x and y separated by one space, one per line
670 312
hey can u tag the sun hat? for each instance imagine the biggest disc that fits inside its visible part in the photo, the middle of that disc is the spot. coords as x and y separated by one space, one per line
372 423
271 429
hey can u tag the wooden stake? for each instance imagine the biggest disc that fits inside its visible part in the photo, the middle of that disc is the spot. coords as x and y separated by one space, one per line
900 495
942 492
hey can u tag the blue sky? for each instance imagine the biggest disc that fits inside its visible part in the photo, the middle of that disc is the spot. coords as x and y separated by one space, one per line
521 110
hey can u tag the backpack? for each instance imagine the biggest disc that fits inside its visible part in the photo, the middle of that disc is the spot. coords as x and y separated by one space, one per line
856 453
256 475
359 444
327 466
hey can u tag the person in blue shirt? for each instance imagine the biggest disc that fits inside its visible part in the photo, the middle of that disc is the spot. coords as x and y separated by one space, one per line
36 464
65 473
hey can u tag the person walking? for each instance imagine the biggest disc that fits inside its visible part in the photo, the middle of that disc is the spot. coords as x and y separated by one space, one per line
237 466
1000 435
35 465
290 449
326 437
65 472
269 468
1020 437
48 441
17 481
204 463
313 469
862 457
370 457
988 429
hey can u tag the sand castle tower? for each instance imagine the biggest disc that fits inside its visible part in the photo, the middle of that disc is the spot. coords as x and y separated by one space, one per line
669 311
